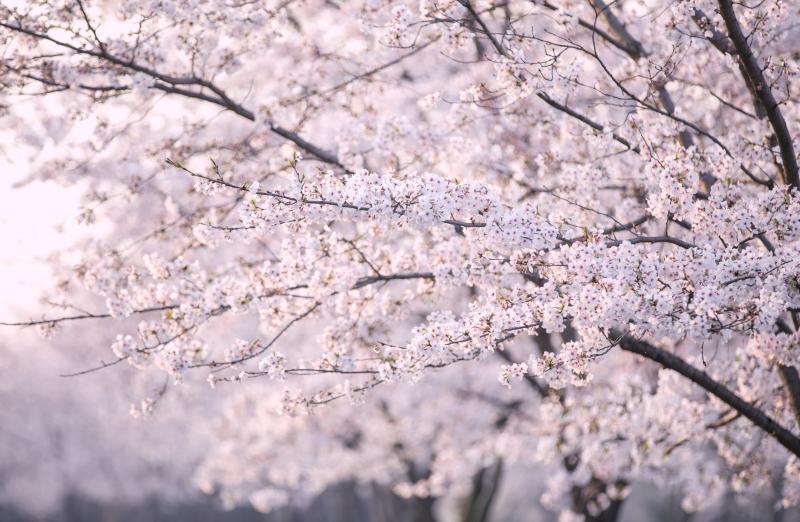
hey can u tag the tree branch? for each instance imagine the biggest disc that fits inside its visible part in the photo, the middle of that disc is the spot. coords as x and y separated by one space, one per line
631 45
484 27
585 120
671 361
753 72
169 84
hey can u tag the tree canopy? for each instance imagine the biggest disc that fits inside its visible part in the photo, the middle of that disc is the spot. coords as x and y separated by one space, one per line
415 240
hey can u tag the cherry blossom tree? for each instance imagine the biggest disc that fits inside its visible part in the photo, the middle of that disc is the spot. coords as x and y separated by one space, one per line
375 217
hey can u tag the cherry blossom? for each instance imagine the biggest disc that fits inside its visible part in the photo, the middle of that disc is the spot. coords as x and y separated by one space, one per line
414 240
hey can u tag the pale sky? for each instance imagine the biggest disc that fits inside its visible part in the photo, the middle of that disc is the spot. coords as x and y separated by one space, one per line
36 220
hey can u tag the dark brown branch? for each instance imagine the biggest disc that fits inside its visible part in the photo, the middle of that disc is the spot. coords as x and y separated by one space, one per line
622 46
485 486
752 69
652 240
671 361
498 47
724 45
632 46
636 51
309 147
583 119
169 84
789 374
791 380
90 26
365 281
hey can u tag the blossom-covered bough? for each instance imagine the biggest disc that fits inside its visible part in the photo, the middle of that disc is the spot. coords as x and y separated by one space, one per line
359 196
